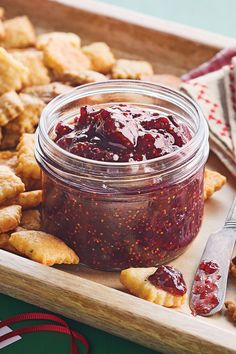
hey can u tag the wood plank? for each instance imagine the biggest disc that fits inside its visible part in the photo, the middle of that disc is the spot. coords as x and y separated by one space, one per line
111 310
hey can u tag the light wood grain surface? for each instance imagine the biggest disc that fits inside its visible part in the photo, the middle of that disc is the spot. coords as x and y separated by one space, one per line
97 298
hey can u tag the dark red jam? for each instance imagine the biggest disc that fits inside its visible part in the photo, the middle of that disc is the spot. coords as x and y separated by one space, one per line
205 289
139 223
169 279
121 133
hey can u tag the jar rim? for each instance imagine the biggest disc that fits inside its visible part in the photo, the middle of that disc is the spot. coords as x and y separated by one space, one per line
141 86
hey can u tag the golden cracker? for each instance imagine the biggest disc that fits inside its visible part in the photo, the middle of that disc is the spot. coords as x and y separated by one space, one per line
71 38
43 248
62 57
10 184
213 181
33 61
28 200
136 281
10 107
13 74
231 308
10 217
8 158
101 56
26 122
47 92
131 69
19 33
31 220
27 167
82 77
29 118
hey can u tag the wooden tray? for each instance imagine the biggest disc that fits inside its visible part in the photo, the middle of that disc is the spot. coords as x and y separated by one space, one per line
97 298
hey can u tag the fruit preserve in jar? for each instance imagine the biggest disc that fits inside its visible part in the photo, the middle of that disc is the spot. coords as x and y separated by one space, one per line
123 164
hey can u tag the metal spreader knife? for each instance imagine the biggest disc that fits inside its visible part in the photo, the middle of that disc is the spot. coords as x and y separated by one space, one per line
210 282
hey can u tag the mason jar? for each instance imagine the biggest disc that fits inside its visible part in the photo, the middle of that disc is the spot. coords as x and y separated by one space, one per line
123 214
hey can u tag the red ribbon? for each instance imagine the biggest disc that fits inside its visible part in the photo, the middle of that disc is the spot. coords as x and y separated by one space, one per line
63 327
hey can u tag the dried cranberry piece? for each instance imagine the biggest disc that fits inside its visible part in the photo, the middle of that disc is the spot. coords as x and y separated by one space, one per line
169 279
63 129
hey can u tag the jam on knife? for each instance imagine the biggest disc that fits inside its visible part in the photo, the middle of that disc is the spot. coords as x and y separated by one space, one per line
205 288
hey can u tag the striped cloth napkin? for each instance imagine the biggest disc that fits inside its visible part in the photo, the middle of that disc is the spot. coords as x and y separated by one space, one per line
216 95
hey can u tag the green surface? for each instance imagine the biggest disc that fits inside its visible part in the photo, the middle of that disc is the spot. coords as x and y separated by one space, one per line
54 343
213 15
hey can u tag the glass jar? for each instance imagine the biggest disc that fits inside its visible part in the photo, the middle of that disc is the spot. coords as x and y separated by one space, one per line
130 214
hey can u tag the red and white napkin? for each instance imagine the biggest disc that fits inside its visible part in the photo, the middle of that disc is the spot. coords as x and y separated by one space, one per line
215 93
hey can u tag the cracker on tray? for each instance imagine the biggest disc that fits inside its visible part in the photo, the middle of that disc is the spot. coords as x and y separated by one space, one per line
71 38
136 281
131 69
31 219
10 184
231 308
43 248
27 166
13 74
29 118
82 77
26 122
33 60
47 92
10 217
30 199
62 57
213 181
10 107
101 56
8 158
19 33
27 200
